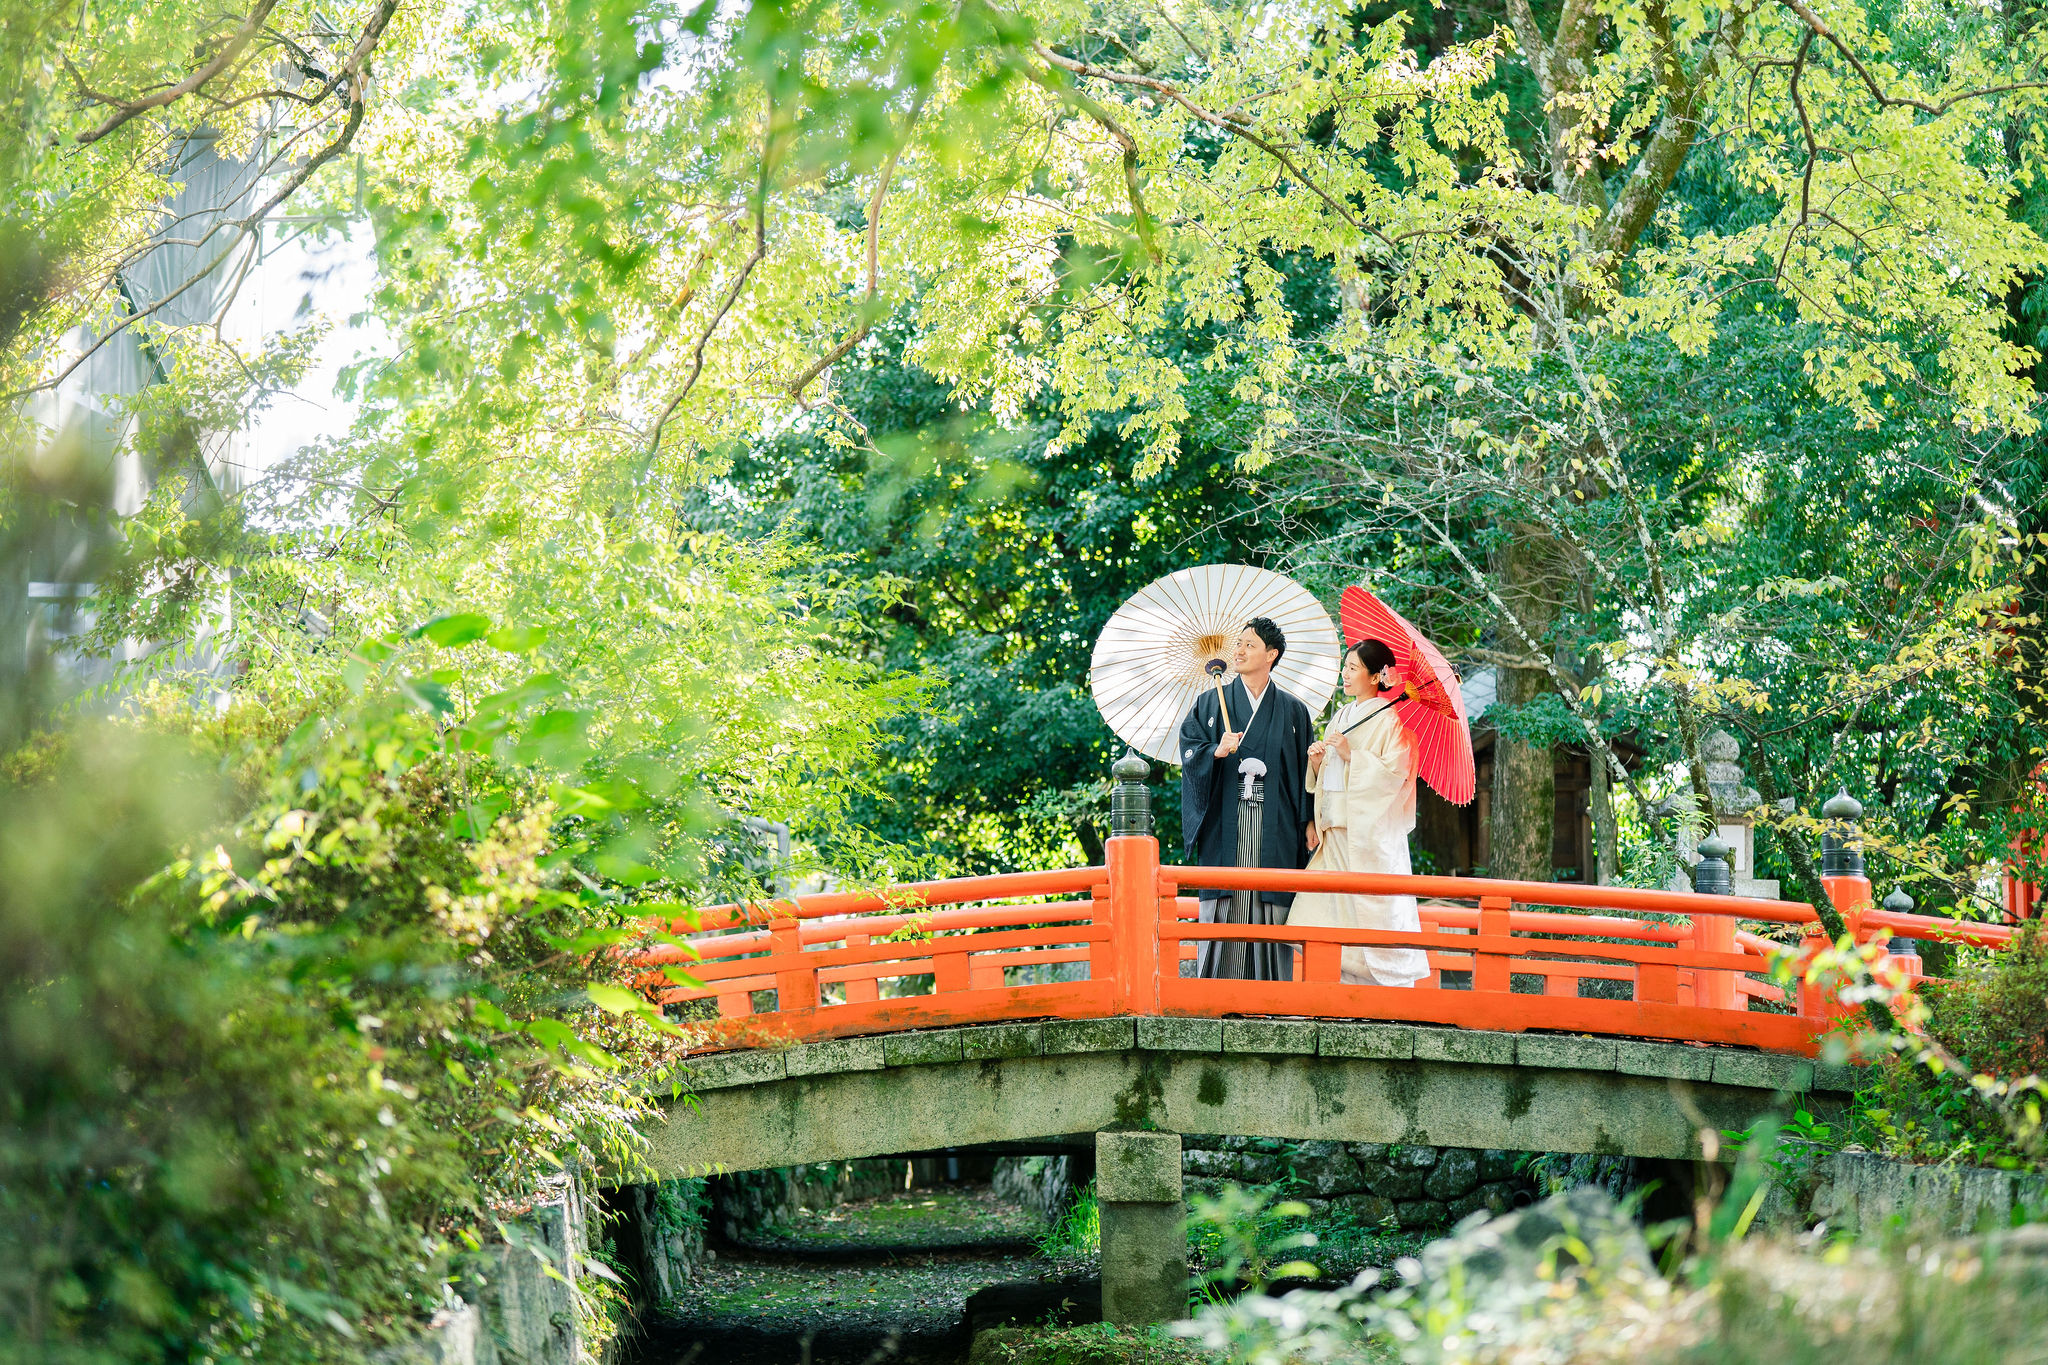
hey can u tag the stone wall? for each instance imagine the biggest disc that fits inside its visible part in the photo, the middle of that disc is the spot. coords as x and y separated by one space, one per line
1414 1186
518 1299
1043 1184
1862 1190
657 1236
746 1204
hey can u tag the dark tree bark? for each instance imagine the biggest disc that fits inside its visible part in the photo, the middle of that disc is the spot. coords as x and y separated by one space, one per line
1606 838
1524 790
1524 814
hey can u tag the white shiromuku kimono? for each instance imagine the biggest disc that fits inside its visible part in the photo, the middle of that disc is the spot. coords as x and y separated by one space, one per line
1365 809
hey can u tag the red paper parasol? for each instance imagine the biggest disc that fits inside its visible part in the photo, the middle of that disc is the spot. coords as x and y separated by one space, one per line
1434 709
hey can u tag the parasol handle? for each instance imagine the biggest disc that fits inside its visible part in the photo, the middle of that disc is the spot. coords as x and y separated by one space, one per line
1215 669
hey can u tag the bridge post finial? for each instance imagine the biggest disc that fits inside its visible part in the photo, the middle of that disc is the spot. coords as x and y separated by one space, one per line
1900 902
1711 875
1843 878
1130 800
1841 843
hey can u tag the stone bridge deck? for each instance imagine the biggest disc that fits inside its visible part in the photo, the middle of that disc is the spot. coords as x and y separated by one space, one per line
1016 1083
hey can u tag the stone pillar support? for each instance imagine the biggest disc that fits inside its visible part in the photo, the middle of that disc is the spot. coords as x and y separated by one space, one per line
1144 1246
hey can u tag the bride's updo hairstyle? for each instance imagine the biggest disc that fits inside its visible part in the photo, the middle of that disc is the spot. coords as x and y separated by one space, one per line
1373 655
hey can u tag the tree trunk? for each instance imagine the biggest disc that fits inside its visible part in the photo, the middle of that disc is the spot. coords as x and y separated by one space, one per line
1525 775
1606 840
1524 790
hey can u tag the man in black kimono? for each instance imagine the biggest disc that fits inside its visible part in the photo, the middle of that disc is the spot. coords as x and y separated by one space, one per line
1244 798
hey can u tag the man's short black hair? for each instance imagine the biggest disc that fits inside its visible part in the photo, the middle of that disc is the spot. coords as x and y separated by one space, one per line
1271 634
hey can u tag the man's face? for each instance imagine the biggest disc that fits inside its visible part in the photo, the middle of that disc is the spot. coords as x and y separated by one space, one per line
1251 655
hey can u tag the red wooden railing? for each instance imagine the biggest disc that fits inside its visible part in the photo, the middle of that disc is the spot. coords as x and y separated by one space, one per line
812 967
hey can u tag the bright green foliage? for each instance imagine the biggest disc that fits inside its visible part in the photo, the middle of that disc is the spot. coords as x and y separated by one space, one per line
1996 1015
1859 606
613 244
1992 1022
994 557
1709 304
253 1102
1243 1239
1563 1290
200 1155
1075 1230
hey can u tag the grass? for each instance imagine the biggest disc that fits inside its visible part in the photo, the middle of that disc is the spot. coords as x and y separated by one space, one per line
1096 1344
1077 1231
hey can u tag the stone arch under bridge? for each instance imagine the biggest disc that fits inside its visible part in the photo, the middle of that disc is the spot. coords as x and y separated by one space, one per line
1133 1084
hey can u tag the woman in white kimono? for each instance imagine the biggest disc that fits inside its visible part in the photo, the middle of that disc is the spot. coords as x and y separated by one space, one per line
1363 775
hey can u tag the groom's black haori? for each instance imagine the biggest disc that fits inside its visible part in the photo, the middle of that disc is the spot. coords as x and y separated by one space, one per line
1275 807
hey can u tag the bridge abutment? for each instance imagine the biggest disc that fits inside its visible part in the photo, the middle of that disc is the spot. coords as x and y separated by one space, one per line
1144 1246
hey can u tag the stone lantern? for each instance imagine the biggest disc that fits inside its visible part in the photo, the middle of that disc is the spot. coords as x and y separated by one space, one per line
1734 827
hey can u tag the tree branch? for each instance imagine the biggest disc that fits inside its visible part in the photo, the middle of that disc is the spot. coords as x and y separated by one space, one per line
1812 152
1676 132
1535 48
1237 127
797 385
173 93
355 72
1141 217
1813 21
769 149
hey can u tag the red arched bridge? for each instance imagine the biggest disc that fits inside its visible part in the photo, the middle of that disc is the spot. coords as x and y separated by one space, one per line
1055 1011
1035 1006
1503 955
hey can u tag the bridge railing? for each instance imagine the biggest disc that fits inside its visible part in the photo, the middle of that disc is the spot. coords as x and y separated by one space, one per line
1091 942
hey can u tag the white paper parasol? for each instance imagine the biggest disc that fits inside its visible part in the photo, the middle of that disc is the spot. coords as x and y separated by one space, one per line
1148 664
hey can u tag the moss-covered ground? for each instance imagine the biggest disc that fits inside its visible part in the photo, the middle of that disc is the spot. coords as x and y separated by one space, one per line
873 1280
887 1279
1095 1344
938 1217
762 1308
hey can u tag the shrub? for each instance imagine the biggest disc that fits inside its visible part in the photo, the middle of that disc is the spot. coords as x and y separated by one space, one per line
197 1157
263 1073
1993 1016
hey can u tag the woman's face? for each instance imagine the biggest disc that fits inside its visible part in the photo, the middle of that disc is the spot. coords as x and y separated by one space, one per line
1357 682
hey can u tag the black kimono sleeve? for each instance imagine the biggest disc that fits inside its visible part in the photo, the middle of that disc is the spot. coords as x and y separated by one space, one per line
1202 775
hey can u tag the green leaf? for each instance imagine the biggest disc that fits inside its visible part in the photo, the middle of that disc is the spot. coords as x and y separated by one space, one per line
517 639
551 1032
451 632
615 999
428 695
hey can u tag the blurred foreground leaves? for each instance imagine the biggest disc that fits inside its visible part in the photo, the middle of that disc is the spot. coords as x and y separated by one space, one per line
290 1017
197 1157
